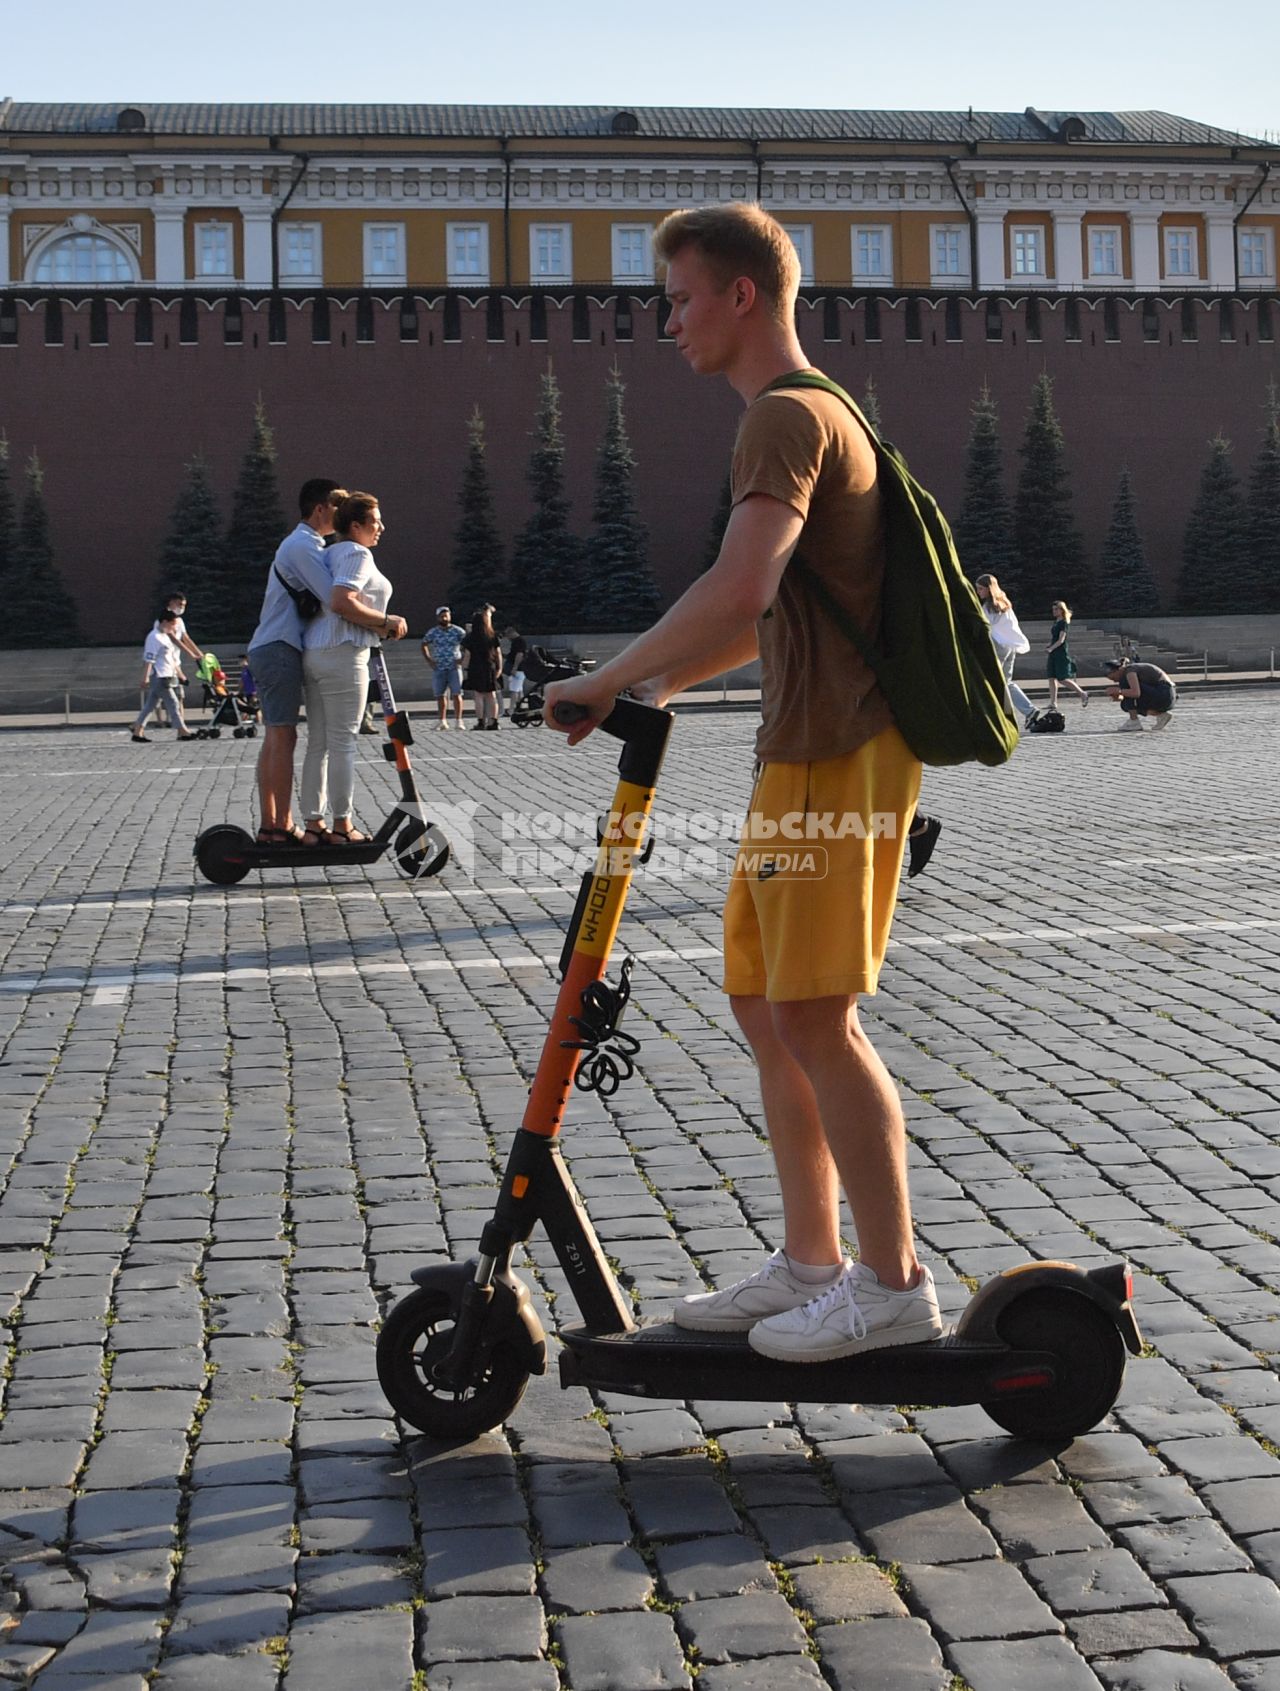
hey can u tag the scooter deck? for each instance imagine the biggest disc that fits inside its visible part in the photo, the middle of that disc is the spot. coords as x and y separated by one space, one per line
660 1359
298 856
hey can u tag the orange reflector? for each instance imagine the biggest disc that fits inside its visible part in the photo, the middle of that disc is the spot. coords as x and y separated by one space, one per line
519 1185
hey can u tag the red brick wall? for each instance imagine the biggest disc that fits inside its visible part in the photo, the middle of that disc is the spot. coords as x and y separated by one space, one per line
115 423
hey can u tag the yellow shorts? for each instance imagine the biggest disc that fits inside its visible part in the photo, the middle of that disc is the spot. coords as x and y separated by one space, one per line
816 877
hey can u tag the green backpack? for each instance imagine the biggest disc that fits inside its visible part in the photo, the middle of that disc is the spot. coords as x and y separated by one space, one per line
933 658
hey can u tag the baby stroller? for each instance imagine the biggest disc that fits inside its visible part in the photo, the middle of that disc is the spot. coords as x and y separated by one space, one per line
225 711
540 668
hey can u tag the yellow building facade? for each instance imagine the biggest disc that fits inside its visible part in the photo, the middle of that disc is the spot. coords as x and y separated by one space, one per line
393 198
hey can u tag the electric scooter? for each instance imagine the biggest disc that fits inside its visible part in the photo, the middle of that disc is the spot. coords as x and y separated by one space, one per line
225 854
1040 1346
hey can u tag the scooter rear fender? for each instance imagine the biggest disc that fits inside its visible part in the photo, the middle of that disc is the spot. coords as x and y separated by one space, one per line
1110 1287
512 1316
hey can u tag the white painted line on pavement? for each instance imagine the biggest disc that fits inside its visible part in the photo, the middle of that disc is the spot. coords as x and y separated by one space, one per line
112 995
214 895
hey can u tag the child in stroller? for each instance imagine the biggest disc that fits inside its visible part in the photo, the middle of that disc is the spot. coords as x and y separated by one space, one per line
226 710
541 667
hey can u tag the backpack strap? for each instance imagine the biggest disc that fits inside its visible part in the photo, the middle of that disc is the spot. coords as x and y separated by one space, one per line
812 580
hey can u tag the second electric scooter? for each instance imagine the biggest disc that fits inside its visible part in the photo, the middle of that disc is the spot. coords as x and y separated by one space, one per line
225 853
1040 1346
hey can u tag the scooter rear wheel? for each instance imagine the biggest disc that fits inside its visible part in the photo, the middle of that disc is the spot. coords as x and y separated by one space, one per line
220 854
1091 1351
417 1334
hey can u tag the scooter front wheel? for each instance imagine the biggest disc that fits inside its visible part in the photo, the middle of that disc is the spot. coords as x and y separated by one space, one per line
420 851
1091 1354
416 1337
220 854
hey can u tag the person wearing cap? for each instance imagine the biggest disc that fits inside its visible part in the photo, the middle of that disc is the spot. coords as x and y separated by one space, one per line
1142 689
442 648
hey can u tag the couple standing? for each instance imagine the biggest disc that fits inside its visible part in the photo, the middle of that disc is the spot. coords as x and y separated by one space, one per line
323 610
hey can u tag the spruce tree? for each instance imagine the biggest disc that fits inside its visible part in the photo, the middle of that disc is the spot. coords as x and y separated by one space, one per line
1050 553
257 527
1213 543
719 522
546 587
8 511
1262 512
623 594
983 535
192 559
870 406
43 613
478 576
1125 586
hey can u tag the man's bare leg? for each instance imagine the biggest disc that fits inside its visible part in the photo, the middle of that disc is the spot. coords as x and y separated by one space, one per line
275 777
806 1172
861 1117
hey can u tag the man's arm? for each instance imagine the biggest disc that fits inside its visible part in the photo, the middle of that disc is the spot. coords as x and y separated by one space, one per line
710 619
744 649
189 646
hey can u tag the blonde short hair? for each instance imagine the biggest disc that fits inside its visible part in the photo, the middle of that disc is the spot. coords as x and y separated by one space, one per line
739 239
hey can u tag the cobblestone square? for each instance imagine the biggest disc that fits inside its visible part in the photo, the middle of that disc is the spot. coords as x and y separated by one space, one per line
233 1120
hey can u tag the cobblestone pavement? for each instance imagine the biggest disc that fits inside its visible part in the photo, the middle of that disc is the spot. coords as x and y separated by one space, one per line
233 1120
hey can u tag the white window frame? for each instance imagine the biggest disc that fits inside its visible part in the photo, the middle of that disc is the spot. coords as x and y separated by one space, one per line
315 273
958 277
460 278
1265 237
1116 233
1038 234
1191 235
125 266
551 278
202 231
621 275
802 240
384 278
885 232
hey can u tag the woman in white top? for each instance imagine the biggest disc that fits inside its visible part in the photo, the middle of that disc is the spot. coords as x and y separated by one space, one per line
335 668
1006 635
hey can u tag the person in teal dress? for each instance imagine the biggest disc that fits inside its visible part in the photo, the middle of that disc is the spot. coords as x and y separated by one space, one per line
1058 666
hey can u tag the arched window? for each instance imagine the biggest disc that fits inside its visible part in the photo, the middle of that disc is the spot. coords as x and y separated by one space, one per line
82 258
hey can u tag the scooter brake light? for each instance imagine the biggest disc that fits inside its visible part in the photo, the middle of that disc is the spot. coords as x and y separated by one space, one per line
1024 1382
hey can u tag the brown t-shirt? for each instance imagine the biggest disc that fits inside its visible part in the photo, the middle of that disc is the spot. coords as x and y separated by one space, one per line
819 698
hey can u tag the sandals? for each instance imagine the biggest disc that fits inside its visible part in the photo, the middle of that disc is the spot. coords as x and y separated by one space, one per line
351 836
280 836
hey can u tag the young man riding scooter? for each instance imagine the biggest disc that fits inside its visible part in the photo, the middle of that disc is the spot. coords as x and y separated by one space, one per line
802 942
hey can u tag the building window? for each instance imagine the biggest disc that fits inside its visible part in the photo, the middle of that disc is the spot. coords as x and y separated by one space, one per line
1256 262
384 260
872 252
632 252
1028 252
213 249
83 258
1104 252
551 252
300 250
1180 255
802 240
949 245
467 245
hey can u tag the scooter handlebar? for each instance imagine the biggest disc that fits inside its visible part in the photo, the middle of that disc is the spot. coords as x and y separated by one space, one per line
643 729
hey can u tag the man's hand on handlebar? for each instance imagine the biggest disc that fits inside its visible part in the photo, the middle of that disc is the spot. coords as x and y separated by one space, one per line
591 692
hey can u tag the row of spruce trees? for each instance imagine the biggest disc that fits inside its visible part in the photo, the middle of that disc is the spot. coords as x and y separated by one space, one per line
556 580
1231 544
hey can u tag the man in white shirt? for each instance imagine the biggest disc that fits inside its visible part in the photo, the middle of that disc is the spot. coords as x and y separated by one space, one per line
175 605
161 656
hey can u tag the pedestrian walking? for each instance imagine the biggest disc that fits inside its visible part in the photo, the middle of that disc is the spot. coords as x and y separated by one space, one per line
1059 665
160 659
1006 636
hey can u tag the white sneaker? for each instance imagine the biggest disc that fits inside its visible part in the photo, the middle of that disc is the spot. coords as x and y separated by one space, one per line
1162 719
768 1291
1129 726
855 1314
443 723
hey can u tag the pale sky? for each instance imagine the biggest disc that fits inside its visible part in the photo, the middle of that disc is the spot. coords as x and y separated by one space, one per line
1096 55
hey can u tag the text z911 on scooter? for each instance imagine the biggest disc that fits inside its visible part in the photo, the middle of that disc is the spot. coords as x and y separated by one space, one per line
1040 1346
